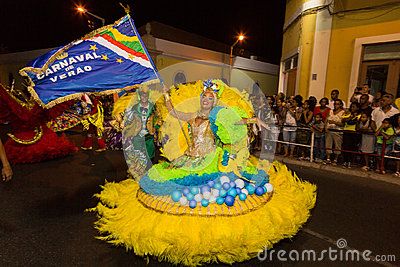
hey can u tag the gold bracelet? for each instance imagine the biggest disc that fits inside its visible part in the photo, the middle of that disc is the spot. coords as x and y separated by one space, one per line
166 96
251 120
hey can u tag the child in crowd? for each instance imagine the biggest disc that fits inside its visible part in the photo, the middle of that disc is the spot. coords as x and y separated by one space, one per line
385 132
318 127
396 144
367 128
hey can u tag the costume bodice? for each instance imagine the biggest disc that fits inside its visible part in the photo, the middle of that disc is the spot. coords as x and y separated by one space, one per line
202 138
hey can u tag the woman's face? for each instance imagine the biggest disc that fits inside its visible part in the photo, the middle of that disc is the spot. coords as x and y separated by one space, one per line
305 105
207 100
337 105
323 103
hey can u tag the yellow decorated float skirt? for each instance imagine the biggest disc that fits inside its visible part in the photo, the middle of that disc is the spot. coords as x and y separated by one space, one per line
149 226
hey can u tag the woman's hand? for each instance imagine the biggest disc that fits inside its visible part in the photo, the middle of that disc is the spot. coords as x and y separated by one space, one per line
260 124
165 89
6 173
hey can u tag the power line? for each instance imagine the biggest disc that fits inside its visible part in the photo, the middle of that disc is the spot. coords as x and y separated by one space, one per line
368 8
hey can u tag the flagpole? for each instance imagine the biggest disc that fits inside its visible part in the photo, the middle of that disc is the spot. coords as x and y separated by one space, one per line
127 11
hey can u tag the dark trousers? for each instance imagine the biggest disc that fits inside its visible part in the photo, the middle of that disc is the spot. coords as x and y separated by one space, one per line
351 141
319 147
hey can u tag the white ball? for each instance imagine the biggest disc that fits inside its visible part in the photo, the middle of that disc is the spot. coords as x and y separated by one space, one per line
212 199
215 192
224 179
198 197
183 201
244 191
206 195
239 183
269 188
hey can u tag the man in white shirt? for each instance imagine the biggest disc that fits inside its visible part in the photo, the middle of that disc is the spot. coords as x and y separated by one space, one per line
334 96
365 90
386 110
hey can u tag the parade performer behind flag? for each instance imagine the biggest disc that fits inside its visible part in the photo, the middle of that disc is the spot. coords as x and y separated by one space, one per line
105 61
141 123
93 123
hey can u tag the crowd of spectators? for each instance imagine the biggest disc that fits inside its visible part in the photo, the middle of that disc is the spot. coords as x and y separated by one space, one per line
357 134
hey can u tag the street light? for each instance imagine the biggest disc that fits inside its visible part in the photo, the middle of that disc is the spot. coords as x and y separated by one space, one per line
83 10
239 38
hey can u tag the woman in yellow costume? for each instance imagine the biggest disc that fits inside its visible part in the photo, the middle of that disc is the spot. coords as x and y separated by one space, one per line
211 201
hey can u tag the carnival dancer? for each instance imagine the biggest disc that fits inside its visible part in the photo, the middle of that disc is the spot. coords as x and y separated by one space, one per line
30 140
113 128
210 201
141 123
92 122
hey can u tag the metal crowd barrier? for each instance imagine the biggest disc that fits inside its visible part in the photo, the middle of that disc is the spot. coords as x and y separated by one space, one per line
382 156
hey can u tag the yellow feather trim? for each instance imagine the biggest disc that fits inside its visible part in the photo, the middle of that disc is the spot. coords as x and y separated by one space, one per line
194 240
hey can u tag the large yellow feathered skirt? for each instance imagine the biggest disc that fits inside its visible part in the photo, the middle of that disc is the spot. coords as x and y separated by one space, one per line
192 240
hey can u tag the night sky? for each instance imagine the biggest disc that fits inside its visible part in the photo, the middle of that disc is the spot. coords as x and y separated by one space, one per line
28 24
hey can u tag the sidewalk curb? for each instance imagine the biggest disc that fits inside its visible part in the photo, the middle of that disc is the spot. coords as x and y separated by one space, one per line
388 178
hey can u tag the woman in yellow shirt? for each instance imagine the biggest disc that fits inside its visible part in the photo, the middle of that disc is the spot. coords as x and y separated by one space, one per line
351 138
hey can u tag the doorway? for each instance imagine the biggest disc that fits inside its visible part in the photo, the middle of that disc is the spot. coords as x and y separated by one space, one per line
380 68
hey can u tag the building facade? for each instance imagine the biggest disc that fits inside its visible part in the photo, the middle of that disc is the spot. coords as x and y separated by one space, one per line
340 44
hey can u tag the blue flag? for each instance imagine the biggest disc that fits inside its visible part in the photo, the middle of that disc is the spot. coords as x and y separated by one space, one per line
107 60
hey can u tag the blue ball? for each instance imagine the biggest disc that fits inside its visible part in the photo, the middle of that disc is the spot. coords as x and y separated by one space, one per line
176 195
226 186
204 202
217 186
220 200
259 190
251 189
194 190
192 204
229 201
189 196
232 192
222 193
232 184
238 191
210 183
205 188
242 196
185 191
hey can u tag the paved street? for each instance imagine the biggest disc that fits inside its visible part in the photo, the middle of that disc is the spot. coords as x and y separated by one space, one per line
43 220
